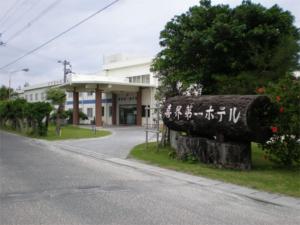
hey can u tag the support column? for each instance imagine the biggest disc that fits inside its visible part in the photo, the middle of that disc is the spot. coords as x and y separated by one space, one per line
114 109
139 108
75 107
98 113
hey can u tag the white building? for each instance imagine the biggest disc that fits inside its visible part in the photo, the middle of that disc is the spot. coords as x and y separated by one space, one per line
118 94
37 92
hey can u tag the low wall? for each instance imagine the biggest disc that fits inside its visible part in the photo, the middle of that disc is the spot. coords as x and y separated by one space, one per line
236 155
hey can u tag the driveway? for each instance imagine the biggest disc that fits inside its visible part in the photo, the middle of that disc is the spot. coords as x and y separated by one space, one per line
45 185
116 147
119 144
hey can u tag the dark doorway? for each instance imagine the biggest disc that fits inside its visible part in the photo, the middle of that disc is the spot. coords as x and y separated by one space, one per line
127 114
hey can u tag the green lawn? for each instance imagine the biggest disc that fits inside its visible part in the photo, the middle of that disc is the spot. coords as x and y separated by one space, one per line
73 132
263 176
68 132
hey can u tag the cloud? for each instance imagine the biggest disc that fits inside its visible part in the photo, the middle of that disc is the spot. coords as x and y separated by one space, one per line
130 26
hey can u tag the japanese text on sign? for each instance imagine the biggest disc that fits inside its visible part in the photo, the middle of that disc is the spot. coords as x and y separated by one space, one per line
209 114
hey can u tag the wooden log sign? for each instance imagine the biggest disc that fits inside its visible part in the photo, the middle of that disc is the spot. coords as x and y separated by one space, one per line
233 117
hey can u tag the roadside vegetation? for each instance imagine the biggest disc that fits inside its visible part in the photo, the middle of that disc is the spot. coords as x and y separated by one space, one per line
41 119
265 175
24 117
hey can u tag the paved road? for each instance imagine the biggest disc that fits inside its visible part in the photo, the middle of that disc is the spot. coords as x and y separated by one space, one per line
45 185
119 144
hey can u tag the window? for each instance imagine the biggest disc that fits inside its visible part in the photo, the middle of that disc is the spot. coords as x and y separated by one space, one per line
70 94
103 110
90 112
144 110
42 96
36 96
145 79
138 79
90 93
30 97
110 111
26 97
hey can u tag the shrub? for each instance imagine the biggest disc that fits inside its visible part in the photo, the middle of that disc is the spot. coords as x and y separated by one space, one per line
19 113
283 147
68 115
39 113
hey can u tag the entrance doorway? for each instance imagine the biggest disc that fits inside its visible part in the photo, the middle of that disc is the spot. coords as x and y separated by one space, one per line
127 114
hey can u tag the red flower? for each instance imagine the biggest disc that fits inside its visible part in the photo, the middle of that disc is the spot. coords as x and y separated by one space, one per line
281 110
274 129
277 98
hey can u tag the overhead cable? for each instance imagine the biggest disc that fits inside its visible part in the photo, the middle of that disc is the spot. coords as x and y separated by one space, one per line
19 18
40 15
10 12
39 55
59 35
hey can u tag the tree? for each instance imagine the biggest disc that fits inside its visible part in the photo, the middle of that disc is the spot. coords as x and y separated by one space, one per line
39 112
57 97
17 113
228 50
5 92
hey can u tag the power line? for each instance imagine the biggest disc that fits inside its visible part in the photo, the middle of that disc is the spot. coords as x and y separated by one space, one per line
59 35
35 54
18 19
40 15
9 11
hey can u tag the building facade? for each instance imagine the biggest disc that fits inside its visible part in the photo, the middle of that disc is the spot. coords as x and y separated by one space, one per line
118 95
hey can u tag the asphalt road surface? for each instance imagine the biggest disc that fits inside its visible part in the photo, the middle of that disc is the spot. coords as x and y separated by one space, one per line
41 185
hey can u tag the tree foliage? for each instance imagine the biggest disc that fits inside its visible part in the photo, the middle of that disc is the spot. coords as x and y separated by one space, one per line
57 97
69 116
228 50
23 116
5 92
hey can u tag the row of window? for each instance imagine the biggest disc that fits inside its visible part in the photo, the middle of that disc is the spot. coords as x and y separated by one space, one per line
36 97
142 79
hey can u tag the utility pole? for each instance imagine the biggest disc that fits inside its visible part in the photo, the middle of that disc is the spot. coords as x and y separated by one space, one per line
67 68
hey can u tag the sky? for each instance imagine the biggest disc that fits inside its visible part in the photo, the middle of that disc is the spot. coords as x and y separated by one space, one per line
130 27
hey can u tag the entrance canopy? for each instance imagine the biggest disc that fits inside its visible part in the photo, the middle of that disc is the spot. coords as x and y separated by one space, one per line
101 83
85 83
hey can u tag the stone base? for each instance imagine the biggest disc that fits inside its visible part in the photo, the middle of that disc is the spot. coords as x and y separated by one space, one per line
223 154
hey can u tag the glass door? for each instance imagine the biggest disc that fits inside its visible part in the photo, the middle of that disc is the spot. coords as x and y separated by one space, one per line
127 114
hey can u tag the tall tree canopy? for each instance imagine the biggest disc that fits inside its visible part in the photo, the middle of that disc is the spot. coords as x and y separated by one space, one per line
228 50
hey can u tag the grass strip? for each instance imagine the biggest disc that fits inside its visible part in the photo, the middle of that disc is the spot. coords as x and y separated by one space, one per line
264 175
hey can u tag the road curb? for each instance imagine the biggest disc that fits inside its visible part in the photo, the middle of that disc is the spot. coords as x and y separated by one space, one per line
255 195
